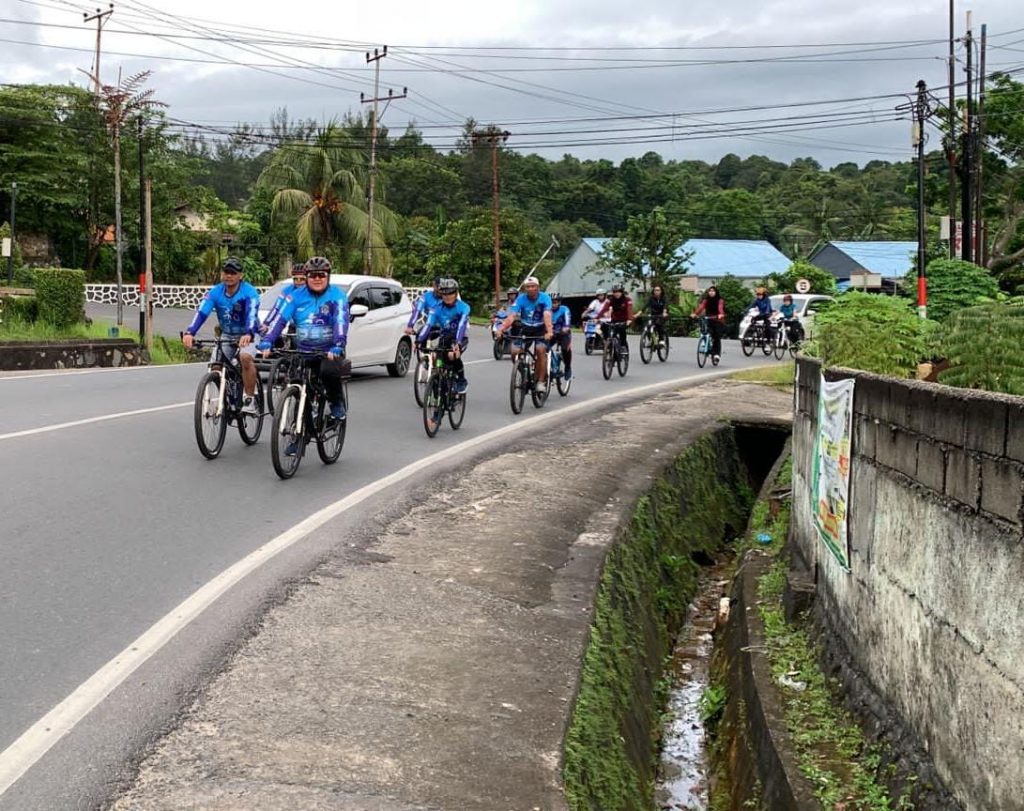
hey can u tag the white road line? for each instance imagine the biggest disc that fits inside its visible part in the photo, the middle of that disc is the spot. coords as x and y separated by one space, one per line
38 739
89 420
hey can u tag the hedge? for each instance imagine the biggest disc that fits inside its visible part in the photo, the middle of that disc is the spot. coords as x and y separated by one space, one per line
19 308
60 294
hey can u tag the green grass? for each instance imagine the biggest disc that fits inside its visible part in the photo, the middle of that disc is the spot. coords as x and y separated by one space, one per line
779 375
12 329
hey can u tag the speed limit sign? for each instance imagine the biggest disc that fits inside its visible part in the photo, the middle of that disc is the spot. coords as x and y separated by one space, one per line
802 285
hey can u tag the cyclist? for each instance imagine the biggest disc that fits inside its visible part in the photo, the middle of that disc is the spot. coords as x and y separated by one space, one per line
592 309
451 320
501 313
763 305
657 311
534 310
619 307
713 306
561 325
424 304
237 305
320 313
298 281
790 321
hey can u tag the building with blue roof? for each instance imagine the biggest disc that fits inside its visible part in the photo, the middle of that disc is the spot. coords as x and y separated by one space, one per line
747 259
890 260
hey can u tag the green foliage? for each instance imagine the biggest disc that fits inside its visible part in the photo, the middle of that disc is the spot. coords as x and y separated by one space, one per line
60 293
737 296
821 281
256 272
648 253
984 346
23 277
712 704
24 309
880 334
952 285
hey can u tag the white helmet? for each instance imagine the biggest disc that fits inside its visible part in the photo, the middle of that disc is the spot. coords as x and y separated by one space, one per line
601 292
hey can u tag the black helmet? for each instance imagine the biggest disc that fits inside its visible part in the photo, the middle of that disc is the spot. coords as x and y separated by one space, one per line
511 292
298 269
319 264
232 264
618 288
446 286
556 296
438 280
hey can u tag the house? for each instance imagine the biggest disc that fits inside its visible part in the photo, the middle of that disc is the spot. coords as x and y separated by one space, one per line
746 259
188 217
869 264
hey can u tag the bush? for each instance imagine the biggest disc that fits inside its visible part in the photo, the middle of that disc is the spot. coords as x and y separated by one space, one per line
952 285
19 308
880 334
61 295
257 273
821 281
23 277
983 345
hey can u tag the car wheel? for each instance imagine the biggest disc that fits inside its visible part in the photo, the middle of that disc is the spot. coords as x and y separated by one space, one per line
403 356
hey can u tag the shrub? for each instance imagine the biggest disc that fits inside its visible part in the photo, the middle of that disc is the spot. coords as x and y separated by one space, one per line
61 295
880 334
821 281
952 285
19 308
256 272
24 277
983 345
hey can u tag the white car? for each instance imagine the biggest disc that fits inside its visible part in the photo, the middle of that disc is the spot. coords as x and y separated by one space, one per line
806 309
380 309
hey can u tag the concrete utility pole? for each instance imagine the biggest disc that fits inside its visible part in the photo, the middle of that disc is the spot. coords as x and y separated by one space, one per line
10 256
147 334
100 17
979 156
374 118
966 155
951 135
921 113
494 138
144 291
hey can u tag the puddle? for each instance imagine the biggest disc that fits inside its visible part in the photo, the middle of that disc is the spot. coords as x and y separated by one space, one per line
683 771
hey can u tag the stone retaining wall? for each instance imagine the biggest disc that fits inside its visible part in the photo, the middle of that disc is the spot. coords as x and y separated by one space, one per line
24 356
186 297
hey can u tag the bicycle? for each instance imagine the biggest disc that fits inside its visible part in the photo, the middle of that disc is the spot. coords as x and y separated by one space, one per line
650 344
556 370
441 397
303 415
616 353
422 373
219 402
758 334
524 375
785 339
704 344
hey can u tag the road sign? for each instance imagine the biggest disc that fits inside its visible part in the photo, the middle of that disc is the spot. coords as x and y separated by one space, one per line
802 285
6 249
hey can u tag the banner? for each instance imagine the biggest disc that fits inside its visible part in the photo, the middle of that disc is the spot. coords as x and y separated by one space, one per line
830 483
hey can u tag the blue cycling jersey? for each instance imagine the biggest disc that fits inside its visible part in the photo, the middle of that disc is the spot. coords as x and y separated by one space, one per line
321 321
561 319
453 321
787 310
281 300
531 311
238 315
427 302
763 305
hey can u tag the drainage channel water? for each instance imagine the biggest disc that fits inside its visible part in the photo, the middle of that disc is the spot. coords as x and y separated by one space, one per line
683 771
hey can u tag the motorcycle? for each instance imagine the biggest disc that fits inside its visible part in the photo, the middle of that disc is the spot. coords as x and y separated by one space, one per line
593 340
502 346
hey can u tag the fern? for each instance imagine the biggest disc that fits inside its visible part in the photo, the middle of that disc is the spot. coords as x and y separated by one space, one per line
984 347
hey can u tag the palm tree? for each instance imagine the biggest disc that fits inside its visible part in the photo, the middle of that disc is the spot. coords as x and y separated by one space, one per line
320 183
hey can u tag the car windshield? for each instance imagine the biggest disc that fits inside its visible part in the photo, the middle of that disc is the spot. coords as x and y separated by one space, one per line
270 296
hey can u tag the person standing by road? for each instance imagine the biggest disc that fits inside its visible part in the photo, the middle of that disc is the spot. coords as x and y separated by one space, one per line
237 304
713 306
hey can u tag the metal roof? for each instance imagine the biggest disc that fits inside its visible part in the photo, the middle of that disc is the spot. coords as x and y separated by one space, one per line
891 259
714 258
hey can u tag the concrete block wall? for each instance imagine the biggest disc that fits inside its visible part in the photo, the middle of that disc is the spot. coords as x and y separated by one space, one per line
932 611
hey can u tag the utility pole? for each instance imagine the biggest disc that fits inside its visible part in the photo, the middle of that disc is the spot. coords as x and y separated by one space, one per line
494 138
979 153
921 113
100 17
147 333
966 154
10 256
951 135
140 267
374 118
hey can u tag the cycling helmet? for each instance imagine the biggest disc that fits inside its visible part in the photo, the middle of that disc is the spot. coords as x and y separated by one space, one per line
232 265
511 292
438 280
601 292
298 269
618 288
447 286
318 264
556 296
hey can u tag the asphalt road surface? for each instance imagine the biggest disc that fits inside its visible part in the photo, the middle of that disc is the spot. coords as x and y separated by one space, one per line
110 518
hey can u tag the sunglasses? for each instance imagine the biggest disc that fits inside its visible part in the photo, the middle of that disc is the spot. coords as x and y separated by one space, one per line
316 275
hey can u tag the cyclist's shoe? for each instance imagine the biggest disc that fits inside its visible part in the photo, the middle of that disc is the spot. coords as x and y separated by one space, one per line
249 406
292 448
338 411
540 386
461 385
568 374
715 358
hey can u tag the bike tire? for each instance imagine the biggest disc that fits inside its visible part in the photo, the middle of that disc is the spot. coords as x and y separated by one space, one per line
608 359
250 426
703 351
767 345
210 429
284 430
747 345
456 410
646 345
517 386
663 351
421 379
277 381
622 362
563 384
498 349
330 434
433 406
794 347
780 347
541 397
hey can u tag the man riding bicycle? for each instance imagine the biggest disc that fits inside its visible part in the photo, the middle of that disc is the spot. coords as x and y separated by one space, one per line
561 325
320 313
298 282
763 305
451 321
237 305
424 304
619 307
657 311
534 310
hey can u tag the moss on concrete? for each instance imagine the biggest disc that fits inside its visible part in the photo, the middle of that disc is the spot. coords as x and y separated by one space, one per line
702 497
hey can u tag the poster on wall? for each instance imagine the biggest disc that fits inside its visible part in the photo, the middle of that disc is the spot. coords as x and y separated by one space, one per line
830 483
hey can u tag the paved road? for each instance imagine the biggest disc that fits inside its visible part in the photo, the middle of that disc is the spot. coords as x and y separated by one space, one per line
111 521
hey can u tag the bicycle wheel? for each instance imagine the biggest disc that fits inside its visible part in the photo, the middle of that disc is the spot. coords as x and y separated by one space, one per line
646 345
540 397
794 347
767 344
250 426
623 360
608 358
211 428
277 380
747 344
563 384
663 350
330 433
433 405
703 349
421 377
517 387
456 410
285 434
780 345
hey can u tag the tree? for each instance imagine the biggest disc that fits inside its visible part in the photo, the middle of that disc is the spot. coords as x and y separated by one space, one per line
821 281
649 253
953 285
318 184
1004 116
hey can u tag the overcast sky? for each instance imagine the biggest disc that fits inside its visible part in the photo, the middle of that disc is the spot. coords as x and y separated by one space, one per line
600 79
